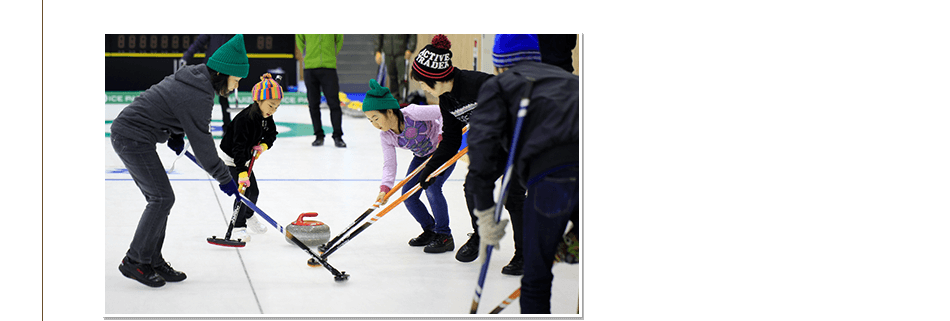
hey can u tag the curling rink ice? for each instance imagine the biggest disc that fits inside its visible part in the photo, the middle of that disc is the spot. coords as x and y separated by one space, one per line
270 276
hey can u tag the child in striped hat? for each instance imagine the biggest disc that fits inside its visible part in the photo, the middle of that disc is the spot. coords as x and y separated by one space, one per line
252 129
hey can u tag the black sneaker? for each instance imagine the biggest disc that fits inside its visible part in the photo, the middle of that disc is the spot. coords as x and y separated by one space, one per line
140 272
317 142
168 273
423 239
469 251
440 243
515 267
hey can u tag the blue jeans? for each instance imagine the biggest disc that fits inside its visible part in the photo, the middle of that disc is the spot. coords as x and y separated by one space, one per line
551 202
440 208
148 173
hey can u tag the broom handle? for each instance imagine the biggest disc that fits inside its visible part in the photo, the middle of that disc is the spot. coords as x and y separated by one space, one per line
389 194
414 172
417 187
254 156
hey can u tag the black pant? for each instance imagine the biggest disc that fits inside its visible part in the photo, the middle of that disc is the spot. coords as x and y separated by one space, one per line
251 193
143 163
324 79
514 204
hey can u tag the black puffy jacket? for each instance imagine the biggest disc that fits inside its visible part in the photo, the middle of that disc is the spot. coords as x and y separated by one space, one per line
249 128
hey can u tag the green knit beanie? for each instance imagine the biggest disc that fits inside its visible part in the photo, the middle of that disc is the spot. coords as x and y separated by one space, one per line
378 98
231 58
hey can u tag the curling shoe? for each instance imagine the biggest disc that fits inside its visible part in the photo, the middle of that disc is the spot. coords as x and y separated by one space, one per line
423 239
469 251
255 225
240 234
168 273
515 267
440 243
140 272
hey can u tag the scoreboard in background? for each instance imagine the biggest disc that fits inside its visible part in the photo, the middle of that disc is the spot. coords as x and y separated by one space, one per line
179 43
135 62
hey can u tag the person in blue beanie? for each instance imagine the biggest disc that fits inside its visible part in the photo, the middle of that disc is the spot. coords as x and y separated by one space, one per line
546 160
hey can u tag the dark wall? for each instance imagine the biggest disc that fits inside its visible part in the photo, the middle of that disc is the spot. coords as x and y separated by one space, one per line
135 62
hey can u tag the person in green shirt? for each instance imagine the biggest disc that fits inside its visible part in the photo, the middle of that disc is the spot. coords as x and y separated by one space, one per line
318 55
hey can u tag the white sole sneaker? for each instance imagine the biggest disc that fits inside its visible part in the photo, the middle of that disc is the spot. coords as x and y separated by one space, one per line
240 233
256 226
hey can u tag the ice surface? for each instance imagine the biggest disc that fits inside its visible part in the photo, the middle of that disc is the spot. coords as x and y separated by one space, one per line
270 276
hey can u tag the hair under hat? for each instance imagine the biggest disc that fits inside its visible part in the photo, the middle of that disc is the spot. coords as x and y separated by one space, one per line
435 60
267 88
510 49
230 58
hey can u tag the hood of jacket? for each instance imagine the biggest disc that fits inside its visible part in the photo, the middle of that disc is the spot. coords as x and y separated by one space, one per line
197 76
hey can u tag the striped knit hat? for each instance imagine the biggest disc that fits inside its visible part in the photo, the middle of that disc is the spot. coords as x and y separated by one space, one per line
268 88
511 49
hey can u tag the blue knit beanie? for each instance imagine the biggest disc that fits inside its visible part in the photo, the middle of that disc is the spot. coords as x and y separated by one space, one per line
511 49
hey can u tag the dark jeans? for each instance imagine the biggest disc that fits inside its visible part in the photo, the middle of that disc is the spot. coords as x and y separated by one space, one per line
552 201
148 173
251 193
324 79
440 208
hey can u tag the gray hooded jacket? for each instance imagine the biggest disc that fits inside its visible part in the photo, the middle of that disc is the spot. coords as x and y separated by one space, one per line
180 104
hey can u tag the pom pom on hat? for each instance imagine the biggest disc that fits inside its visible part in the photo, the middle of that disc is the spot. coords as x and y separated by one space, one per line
435 60
440 41
267 88
377 90
378 98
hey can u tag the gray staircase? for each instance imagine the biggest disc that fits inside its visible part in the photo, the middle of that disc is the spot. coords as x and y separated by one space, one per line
355 65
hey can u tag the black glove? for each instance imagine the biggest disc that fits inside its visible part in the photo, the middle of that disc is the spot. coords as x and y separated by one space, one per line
229 188
176 143
424 175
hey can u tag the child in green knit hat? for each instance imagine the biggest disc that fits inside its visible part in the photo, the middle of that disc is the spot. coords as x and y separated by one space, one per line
418 129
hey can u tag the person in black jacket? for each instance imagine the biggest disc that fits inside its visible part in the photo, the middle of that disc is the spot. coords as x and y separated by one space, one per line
253 129
546 157
457 91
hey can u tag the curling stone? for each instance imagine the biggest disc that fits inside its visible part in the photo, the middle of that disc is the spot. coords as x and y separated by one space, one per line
310 233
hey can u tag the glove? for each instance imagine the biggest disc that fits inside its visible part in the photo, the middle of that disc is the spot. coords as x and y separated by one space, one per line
379 58
489 231
260 148
229 188
243 180
424 174
182 63
381 199
176 143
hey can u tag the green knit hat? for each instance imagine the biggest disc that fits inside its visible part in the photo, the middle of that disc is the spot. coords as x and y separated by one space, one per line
231 58
378 98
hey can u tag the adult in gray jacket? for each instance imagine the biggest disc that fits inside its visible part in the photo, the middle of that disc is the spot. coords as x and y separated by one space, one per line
180 105
209 42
